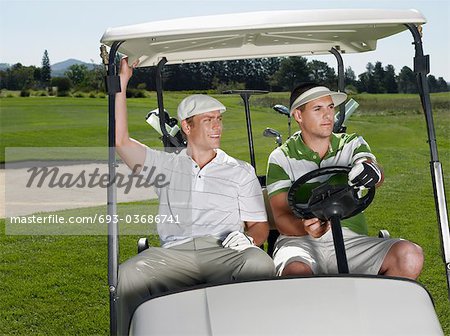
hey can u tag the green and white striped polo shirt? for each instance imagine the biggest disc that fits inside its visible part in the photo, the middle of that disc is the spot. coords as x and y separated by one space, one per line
294 158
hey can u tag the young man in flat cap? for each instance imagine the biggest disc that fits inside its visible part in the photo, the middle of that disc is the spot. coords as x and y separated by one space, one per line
214 197
305 246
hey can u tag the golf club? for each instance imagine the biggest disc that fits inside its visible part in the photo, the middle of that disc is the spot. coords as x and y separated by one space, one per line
284 111
271 133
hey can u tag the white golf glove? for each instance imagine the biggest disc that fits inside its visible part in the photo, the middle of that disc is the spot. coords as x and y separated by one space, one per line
238 241
364 174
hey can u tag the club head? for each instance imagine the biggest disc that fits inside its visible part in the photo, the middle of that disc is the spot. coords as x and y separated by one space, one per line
271 133
282 110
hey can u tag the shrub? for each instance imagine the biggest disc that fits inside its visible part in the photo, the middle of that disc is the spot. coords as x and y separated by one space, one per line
140 94
63 84
8 94
130 93
25 93
39 93
78 94
135 93
63 93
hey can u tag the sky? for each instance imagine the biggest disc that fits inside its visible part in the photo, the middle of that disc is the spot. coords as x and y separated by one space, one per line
72 29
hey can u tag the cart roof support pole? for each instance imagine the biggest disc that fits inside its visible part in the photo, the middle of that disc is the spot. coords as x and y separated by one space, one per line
245 97
421 69
113 86
341 88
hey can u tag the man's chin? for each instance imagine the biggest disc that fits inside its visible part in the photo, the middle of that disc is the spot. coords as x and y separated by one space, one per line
327 131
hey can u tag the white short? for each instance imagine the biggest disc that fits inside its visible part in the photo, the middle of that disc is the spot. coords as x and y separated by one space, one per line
365 254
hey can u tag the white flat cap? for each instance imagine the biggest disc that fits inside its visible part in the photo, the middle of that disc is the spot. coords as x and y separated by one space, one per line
197 104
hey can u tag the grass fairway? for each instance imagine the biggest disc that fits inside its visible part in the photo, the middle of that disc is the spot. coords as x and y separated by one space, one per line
57 285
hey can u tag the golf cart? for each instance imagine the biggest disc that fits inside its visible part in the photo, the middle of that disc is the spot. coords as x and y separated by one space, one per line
349 304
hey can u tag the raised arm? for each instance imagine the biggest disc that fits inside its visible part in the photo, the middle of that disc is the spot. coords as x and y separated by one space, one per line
130 150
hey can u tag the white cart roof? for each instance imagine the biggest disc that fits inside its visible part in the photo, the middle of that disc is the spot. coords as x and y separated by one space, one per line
259 34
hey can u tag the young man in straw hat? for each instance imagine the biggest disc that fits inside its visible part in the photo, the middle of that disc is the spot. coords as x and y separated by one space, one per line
305 246
214 199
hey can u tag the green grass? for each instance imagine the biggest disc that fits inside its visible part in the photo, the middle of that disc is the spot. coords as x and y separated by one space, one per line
57 285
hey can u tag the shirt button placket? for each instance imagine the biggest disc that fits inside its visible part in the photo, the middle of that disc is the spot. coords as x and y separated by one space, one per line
198 179
200 182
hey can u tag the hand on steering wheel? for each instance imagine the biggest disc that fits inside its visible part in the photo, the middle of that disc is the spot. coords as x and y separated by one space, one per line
365 174
329 200
315 227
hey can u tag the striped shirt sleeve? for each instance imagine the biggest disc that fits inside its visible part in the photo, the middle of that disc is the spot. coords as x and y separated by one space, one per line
278 179
361 149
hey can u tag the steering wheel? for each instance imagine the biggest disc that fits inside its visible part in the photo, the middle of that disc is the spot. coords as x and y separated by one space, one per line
328 200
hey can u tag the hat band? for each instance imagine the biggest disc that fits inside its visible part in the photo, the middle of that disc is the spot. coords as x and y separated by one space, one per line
303 98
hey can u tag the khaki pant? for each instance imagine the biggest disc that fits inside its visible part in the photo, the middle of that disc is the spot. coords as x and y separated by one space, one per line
202 260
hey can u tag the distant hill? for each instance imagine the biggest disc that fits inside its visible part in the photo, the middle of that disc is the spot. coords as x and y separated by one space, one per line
58 69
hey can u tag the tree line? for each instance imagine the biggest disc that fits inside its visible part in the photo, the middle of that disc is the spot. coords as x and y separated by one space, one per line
273 74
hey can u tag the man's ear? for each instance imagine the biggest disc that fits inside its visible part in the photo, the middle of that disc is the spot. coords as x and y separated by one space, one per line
297 114
185 126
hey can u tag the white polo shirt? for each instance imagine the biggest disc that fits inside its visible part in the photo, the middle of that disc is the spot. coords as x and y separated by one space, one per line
214 200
